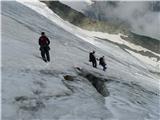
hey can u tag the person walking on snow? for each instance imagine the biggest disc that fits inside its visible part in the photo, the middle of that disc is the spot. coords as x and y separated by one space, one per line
102 63
44 47
92 59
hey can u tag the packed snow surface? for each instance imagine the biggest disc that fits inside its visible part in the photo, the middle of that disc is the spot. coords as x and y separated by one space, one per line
90 35
33 89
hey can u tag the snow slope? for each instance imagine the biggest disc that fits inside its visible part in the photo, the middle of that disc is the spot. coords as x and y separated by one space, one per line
32 89
89 36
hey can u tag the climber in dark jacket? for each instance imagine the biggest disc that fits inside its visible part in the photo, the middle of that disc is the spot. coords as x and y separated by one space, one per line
44 47
92 59
102 63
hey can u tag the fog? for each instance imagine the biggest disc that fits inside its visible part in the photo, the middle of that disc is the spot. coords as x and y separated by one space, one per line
142 16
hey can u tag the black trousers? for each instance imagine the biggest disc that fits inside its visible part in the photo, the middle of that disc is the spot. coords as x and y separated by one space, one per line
104 66
94 64
45 54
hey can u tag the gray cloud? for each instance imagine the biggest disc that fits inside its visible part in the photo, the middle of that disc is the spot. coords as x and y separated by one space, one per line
143 17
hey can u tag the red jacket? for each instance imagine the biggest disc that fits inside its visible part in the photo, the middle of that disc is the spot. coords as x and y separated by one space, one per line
44 41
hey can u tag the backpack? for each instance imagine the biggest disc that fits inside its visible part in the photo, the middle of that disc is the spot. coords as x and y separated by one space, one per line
101 61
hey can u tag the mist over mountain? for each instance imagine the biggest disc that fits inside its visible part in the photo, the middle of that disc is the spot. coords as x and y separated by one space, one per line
141 17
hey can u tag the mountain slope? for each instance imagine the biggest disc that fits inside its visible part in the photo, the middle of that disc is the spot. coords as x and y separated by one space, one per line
32 89
85 22
81 20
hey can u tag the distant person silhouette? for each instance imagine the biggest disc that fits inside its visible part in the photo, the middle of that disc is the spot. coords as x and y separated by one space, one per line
92 59
102 63
44 47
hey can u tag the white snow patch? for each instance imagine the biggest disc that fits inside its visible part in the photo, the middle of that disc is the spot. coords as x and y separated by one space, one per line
151 61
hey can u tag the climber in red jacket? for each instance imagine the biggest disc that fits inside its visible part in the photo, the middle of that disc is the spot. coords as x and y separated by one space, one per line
44 47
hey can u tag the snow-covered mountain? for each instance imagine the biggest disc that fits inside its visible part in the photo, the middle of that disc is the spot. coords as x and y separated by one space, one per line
68 88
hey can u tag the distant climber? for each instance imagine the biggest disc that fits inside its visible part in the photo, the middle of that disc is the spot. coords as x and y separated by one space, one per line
44 47
92 59
102 63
